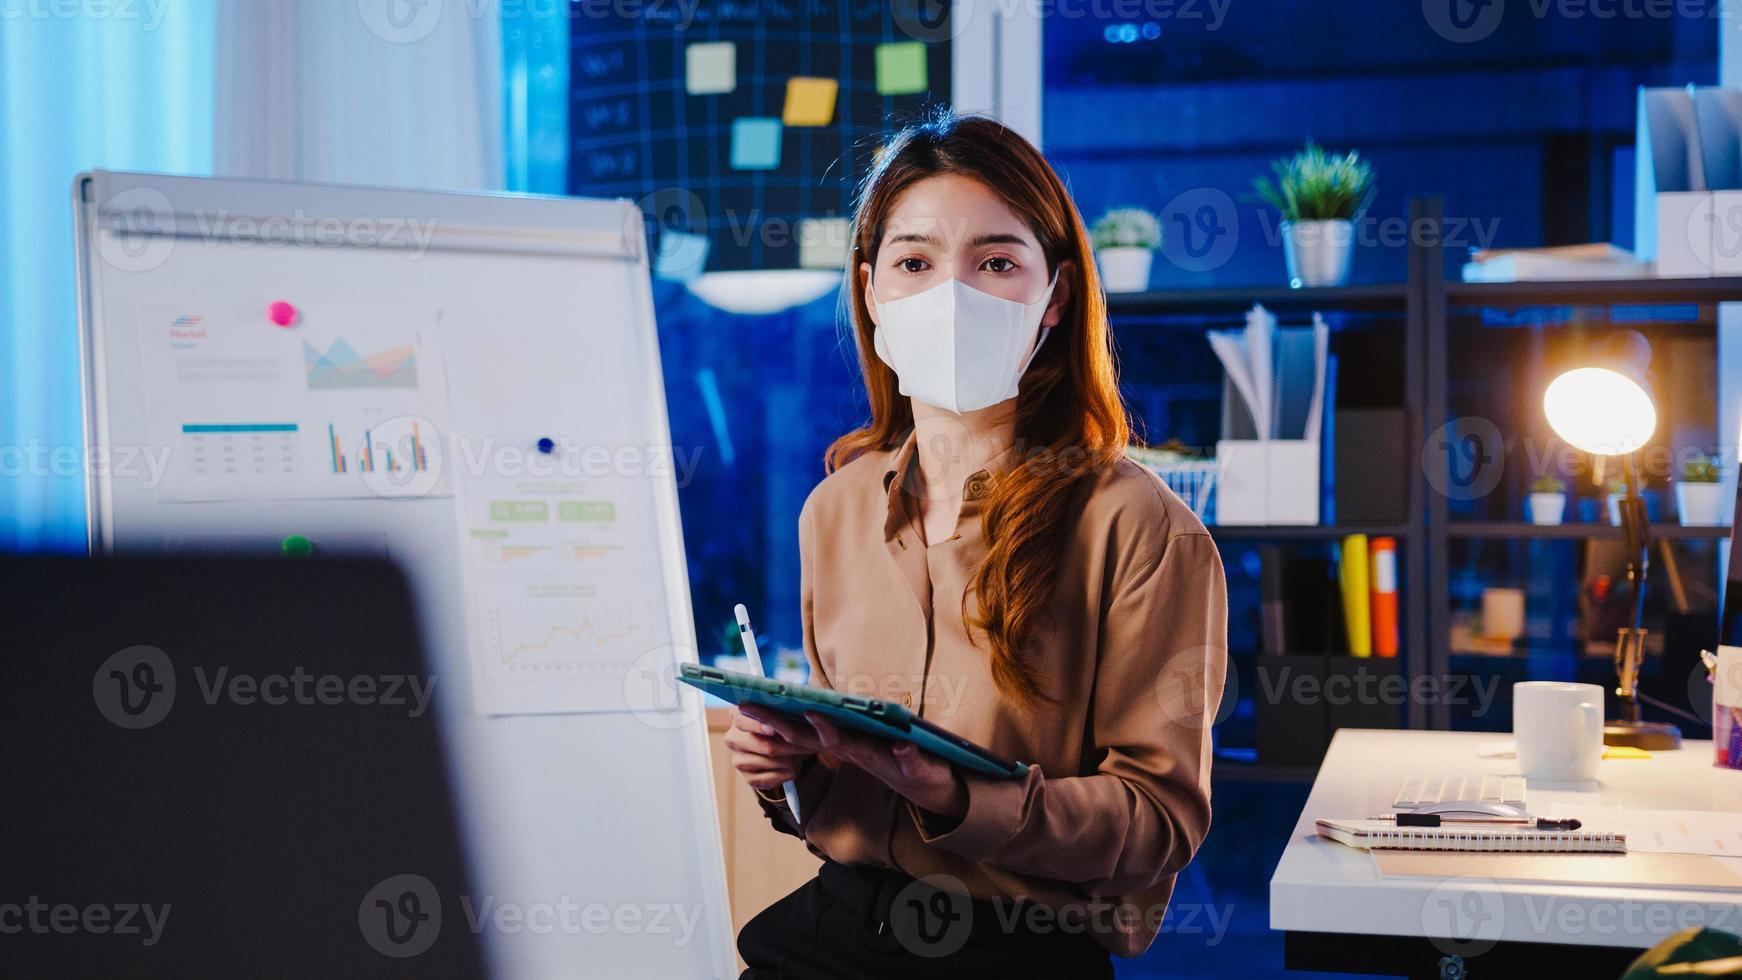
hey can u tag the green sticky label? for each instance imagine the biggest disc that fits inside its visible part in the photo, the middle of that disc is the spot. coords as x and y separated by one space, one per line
586 510
519 510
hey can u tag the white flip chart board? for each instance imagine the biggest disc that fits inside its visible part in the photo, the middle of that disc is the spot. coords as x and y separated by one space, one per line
469 385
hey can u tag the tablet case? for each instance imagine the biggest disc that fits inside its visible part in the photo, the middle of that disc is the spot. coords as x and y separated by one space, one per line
869 715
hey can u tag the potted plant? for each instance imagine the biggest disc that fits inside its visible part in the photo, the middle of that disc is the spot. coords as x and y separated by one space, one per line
1699 500
1319 196
1125 240
1548 499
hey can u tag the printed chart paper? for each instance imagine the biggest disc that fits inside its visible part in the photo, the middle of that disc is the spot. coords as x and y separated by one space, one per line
560 615
343 402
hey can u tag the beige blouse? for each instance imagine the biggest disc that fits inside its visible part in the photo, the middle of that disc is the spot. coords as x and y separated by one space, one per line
1132 659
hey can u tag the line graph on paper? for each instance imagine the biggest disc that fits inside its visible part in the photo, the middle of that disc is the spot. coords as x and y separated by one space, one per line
535 628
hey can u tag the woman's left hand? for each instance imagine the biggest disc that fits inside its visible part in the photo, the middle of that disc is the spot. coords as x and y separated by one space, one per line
931 783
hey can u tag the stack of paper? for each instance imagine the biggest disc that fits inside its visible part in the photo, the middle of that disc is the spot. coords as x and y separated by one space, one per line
1566 262
1278 377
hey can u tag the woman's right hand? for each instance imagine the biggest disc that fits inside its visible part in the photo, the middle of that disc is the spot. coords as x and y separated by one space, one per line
762 750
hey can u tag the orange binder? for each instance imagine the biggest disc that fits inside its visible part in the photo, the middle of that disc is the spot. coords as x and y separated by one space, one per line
1384 601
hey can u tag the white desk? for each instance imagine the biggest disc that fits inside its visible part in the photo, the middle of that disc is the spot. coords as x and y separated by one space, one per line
1325 895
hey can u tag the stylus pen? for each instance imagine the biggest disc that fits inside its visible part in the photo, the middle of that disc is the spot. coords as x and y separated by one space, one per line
748 635
1439 820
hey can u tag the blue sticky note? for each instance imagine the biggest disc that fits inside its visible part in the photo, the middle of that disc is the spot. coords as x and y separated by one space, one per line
755 143
681 256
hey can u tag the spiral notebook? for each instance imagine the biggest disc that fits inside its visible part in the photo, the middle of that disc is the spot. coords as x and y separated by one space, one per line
1384 835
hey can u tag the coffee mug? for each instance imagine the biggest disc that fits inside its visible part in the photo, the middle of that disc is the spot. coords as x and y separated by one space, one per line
1558 727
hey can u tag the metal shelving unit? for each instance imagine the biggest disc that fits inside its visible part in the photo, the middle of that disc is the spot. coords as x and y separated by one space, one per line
1423 303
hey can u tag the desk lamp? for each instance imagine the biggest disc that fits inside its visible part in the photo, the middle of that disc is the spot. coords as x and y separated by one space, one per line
1605 408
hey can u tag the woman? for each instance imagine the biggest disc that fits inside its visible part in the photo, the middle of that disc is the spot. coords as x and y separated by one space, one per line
983 553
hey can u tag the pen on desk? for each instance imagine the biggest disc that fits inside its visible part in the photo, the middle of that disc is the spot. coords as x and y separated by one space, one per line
751 650
1437 820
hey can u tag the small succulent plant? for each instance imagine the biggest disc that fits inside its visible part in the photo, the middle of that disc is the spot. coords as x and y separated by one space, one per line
1126 228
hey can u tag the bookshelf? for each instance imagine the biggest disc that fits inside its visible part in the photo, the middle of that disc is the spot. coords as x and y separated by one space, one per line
1422 320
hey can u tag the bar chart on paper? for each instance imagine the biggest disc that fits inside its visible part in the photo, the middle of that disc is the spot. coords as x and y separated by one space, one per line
343 402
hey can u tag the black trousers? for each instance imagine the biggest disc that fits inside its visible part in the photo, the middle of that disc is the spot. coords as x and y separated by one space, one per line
858 923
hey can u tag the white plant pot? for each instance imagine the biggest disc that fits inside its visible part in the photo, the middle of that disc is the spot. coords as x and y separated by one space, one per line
1547 508
1699 504
1124 269
1318 252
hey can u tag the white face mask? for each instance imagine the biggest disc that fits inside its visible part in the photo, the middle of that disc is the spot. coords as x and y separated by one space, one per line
958 348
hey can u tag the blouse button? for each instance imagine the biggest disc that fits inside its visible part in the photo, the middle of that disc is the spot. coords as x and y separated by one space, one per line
907 699
977 485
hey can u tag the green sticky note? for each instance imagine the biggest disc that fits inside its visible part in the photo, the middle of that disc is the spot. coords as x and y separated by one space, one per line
901 68
711 68
755 143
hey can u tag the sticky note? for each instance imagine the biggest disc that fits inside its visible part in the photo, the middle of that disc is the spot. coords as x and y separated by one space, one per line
823 242
901 68
755 143
681 256
810 101
711 68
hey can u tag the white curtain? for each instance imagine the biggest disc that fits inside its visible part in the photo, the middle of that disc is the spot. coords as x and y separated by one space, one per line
401 93
127 87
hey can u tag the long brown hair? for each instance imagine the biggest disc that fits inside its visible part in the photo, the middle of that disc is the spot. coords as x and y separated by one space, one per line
1070 421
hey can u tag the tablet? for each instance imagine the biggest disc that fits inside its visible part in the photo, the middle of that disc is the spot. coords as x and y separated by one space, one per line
868 715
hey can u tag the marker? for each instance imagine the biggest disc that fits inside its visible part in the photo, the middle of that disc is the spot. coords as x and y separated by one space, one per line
546 445
297 546
281 313
748 637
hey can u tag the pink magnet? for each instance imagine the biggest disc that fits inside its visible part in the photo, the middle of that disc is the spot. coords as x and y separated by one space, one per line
281 313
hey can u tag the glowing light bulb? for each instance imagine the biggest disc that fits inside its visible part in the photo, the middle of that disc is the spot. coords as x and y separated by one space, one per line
1600 411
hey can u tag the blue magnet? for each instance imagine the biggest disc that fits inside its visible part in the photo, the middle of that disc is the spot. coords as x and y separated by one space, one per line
546 445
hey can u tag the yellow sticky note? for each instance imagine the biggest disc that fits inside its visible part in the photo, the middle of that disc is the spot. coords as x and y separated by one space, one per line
823 242
711 68
901 68
810 101
1624 752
